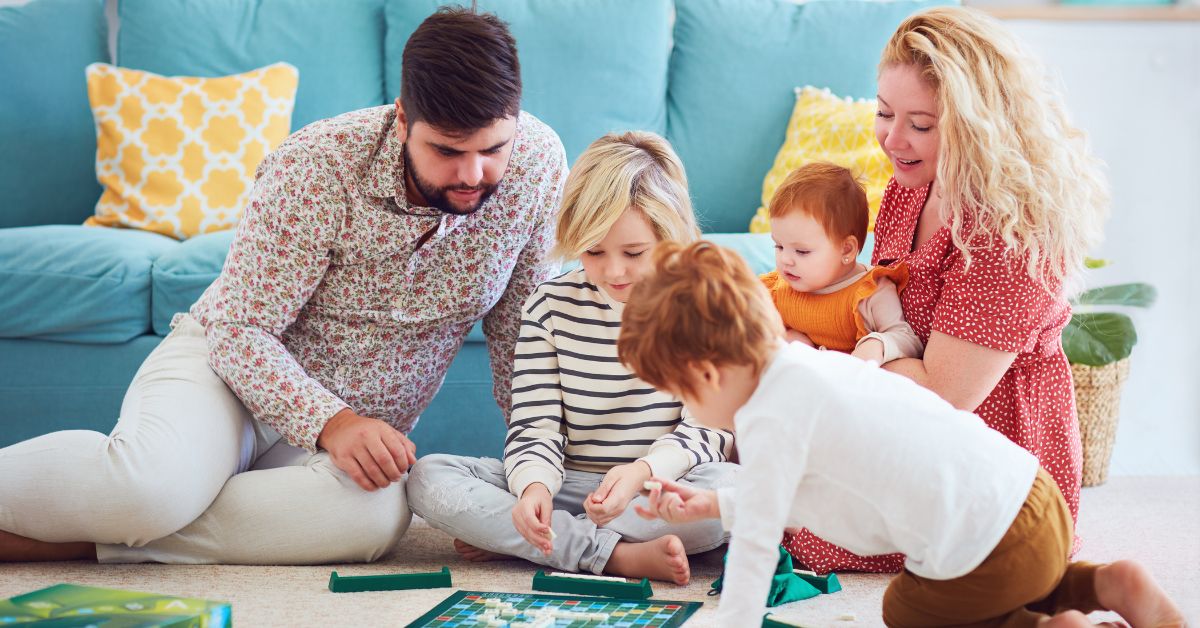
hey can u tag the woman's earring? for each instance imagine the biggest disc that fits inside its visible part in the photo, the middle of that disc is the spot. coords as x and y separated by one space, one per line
845 260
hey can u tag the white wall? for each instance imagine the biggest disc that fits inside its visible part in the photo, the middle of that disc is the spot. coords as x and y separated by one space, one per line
1135 88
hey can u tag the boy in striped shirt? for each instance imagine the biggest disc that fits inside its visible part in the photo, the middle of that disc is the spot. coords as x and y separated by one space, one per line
586 433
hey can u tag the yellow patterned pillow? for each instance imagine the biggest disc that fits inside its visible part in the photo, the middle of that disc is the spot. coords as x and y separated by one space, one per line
176 155
827 128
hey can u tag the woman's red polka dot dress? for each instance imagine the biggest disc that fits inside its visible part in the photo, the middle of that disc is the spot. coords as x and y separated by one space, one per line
997 304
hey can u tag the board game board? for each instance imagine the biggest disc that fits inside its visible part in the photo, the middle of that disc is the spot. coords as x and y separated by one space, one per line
69 605
470 608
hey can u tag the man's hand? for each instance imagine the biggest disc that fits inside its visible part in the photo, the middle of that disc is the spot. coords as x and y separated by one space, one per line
870 350
373 453
677 503
792 335
531 516
620 485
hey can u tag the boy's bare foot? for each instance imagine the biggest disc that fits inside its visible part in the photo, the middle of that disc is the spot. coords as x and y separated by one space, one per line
661 559
475 554
1127 588
19 549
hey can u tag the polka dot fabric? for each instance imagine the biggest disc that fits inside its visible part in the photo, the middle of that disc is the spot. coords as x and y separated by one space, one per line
994 303
823 557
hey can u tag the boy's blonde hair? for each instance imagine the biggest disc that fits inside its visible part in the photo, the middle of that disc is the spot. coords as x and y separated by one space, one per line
830 194
1010 163
636 169
700 303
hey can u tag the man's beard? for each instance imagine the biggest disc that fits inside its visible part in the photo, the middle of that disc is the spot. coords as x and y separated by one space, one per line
438 199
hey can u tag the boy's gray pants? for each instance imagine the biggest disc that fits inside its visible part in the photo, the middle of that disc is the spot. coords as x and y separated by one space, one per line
468 498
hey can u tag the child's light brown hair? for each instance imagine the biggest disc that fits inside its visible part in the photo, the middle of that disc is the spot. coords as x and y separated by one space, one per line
829 193
620 171
700 303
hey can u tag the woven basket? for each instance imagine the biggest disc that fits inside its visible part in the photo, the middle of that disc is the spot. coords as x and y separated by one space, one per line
1098 403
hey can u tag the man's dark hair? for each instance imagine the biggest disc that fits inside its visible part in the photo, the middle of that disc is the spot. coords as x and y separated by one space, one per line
460 71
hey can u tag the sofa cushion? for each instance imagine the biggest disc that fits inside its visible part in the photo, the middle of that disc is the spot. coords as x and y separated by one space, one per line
463 417
733 72
47 141
75 283
47 385
756 248
588 67
826 127
186 168
182 274
336 44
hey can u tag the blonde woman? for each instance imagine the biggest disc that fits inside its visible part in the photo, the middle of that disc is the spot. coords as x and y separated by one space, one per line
994 203
586 433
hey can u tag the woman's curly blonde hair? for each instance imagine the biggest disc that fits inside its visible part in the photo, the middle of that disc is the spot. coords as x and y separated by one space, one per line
1011 165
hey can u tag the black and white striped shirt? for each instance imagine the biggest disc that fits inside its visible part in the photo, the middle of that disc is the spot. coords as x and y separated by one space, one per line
575 406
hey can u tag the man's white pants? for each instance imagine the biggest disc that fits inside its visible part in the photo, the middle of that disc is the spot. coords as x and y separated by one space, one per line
189 476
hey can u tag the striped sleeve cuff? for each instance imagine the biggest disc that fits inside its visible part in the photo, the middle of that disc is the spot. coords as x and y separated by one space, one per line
530 473
668 461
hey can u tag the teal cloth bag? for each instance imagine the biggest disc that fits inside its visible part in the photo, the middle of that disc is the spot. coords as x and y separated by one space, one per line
786 586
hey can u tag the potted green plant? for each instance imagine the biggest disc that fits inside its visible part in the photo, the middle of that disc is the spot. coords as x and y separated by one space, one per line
1098 342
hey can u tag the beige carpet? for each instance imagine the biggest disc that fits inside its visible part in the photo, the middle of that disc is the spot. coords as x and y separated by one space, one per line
1156 520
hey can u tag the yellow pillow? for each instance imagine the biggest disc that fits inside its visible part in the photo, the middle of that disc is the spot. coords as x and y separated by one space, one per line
177 155
827 128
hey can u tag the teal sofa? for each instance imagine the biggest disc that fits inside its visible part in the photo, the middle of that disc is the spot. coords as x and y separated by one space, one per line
81 307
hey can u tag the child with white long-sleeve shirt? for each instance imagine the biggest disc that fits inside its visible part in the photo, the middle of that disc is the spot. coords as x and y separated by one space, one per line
864 458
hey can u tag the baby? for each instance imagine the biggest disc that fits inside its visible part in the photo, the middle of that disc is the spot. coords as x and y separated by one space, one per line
826 298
